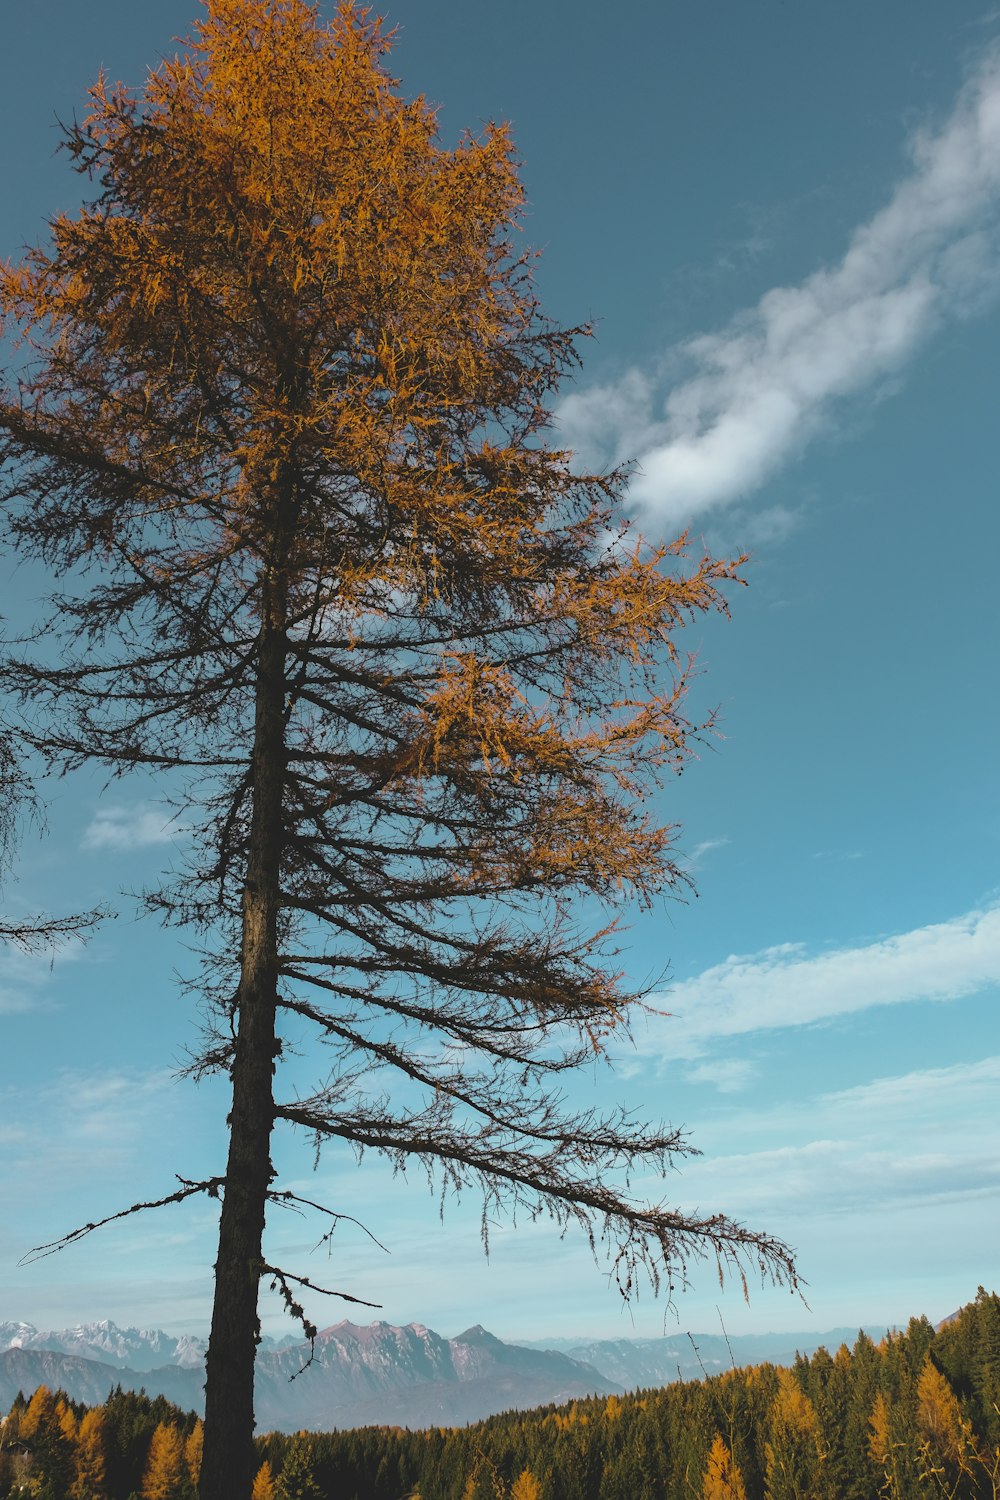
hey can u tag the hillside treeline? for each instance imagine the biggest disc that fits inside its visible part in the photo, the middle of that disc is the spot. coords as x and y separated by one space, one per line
917 1414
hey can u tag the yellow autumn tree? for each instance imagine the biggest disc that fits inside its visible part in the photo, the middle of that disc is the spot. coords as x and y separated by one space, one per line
939 1419
793 1451
51 1452
67 1421
263 1484
192 1451
281 419
723 1480
880 1435
40 1414
526 1487
165 1476
947 1451
90 1478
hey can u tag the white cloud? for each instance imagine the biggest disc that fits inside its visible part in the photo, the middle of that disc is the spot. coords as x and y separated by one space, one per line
844 1176
757 391
77 1113
882 1156
729 1075
24 977
701 851
128 828
784 986
925 1137
92 1143
940 1093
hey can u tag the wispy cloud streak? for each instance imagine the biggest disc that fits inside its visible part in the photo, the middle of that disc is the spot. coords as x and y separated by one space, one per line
128 828
930 1135
784 986
25 977
757 391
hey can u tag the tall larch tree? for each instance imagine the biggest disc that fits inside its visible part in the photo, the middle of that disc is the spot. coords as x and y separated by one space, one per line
41 1430
526 1487
281 405
944 1439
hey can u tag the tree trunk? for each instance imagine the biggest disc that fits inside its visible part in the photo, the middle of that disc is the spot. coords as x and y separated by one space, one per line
227 1461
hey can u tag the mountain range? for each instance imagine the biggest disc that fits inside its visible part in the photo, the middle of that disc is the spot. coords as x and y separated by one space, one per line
637 1363
358 1375
378 1374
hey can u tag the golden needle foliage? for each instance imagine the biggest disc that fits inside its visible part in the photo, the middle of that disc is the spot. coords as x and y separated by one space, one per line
723 1480
91 1469
165 1468
263 1484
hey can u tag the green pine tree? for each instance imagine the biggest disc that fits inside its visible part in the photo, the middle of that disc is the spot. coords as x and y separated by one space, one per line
296 1480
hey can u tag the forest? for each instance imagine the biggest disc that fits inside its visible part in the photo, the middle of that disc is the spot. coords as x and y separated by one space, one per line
916 1414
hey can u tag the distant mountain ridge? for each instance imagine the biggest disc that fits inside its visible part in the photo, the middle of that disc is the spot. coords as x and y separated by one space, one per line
90 1380
360 1374
126 1348
637 1363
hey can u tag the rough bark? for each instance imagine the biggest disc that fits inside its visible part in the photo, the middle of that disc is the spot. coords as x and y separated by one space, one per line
228 1460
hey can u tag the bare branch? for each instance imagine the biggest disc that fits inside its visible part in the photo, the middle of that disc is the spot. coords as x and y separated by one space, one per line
210 1185
280 1282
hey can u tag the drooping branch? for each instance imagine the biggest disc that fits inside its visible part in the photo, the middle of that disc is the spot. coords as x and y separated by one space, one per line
282 1280
288 1199
656 1239
40 933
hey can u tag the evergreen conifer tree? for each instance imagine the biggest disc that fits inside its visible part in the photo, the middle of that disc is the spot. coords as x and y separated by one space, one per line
296 1480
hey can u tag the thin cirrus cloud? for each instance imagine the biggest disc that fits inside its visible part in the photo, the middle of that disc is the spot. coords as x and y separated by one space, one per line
26 977
756 392
927 1135
125 828
935 1093
784 986
83 1128
728 1074
843 1176
701 851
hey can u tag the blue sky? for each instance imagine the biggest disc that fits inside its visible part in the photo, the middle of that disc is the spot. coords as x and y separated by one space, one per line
785 222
